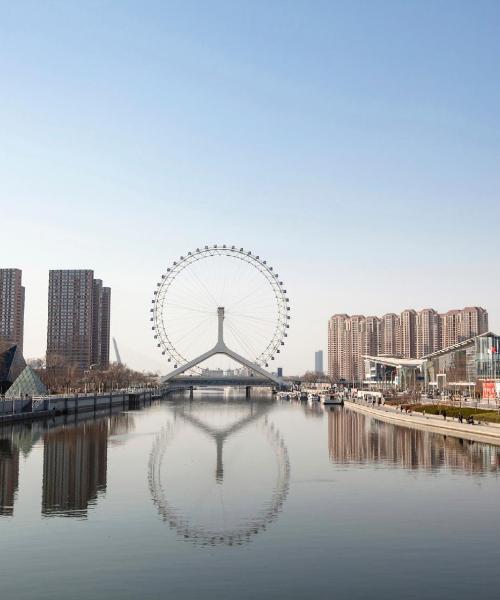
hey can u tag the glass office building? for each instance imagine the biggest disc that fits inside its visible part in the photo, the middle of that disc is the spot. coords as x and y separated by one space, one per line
464 364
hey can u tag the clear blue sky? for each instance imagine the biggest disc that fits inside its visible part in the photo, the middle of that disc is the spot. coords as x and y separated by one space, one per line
354 144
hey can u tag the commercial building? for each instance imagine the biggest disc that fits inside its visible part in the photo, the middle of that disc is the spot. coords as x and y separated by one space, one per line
410 335
470 367
12 306
318 362
78 320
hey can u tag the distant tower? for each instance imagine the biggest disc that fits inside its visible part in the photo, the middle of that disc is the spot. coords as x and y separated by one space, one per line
118 358
318 362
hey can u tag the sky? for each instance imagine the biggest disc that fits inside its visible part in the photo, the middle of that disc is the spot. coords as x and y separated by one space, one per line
355 145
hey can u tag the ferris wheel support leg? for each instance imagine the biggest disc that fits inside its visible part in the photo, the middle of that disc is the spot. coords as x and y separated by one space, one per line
221 348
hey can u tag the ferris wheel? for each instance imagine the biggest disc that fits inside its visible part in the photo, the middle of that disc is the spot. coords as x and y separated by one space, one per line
217 288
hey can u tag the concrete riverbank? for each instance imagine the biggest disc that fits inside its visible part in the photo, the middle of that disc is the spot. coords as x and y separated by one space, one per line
39 408
487 433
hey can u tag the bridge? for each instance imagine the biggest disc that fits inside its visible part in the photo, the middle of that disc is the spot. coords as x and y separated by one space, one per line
259 376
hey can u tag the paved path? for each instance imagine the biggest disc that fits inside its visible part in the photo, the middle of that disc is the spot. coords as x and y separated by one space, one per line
488 433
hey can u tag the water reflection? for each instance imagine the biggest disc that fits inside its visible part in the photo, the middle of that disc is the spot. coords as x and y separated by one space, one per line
74 460
74 468
9 476
355 438
75 465
181 520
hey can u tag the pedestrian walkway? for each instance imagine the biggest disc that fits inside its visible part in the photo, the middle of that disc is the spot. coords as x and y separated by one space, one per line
484 432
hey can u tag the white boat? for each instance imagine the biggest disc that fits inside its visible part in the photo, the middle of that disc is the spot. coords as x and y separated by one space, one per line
312 396
332 399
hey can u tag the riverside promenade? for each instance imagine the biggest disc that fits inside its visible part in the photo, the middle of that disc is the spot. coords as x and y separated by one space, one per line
488 433
46 406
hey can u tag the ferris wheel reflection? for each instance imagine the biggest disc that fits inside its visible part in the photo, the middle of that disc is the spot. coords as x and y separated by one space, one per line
211 534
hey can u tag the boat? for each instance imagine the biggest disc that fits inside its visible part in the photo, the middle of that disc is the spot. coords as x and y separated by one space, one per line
303 396
332 399
312 396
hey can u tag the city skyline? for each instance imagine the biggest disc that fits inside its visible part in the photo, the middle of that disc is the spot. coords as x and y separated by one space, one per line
340 147
410 334
392 346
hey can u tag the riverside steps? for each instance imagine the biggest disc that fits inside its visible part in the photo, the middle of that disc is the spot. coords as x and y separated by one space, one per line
21 409
488 433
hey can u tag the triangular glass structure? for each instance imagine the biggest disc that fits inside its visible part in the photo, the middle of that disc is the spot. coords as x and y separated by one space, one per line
28 383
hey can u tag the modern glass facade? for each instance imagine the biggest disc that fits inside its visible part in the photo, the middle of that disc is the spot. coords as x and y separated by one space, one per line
468 362
487 357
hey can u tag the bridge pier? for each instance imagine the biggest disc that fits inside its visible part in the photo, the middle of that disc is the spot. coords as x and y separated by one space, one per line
191 388
248 391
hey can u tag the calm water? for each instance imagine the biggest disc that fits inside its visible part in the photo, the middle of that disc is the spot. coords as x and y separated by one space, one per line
221 497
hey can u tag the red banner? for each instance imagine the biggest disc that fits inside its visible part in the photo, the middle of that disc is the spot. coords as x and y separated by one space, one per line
489 391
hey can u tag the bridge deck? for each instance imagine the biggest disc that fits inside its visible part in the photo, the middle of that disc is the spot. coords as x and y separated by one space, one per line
201 381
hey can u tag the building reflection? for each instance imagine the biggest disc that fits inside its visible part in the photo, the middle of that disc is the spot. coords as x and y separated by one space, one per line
74 468
9 476
75 465
355 438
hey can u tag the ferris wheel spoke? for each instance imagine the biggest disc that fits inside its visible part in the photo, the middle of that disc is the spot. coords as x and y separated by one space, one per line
253 334
242 341
254 319
203 285
191 289
242 301
187 284
183 307
193 330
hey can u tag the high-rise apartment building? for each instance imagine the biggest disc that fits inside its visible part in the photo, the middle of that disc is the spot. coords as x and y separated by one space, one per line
473 321
337 349
390 335
371 336
452 321
408 329
78 320
409 335
12 306
428 339
355 366
105 327
318 361
100 324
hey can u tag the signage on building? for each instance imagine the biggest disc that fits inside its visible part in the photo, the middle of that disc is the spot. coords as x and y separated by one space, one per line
489 390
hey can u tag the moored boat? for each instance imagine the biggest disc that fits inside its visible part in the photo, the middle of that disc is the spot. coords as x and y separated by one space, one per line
332 399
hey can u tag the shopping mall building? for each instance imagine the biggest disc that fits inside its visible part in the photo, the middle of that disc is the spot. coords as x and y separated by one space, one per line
471 367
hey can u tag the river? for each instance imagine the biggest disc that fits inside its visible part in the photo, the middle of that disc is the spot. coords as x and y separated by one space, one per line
225 497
